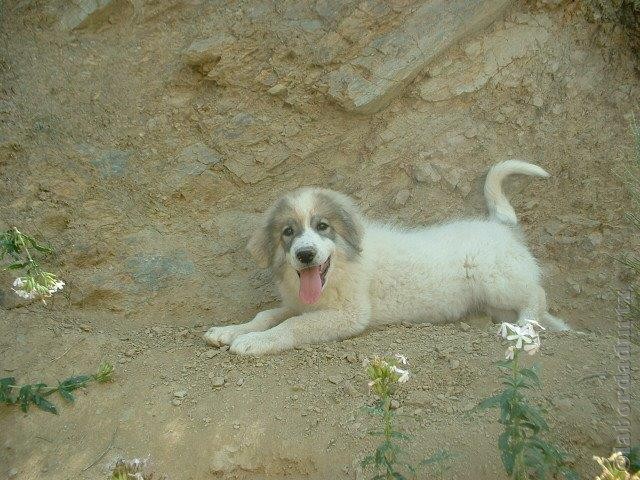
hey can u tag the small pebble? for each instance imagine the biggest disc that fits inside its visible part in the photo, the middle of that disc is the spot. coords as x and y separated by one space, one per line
180 393
240 382
217 381
176 402
335 379
85 328
394 405
211 353
465 327
278 89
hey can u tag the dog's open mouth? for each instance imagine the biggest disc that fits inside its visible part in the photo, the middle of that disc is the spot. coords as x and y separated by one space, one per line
312 282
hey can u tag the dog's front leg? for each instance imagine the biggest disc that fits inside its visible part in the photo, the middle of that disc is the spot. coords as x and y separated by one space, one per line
310 327
218 336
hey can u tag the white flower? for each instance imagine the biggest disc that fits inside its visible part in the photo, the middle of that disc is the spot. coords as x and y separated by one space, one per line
403 374
402 359
57 285
532 348
510 353
505 328
533 323
29 288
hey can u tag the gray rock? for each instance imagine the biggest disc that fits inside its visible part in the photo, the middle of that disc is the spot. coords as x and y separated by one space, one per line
401 197
112 163
176 402
391 61
191 162
204 54
425 173
180 393
154 271
218 381
79 11
278 89
593 240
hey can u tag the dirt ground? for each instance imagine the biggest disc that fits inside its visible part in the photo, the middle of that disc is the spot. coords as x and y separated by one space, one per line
147 175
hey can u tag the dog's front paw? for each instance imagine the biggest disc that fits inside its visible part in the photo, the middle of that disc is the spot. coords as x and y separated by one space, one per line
256 343
218 336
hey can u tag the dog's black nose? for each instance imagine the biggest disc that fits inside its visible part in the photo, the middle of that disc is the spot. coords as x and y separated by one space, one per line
306 255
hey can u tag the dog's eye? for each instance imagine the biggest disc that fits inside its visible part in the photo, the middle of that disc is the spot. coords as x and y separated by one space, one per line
287 232
322 226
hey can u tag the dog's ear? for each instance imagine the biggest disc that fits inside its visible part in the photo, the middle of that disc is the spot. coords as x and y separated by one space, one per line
259 245
346 218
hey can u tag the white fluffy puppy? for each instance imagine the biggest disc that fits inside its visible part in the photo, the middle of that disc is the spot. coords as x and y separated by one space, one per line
338 273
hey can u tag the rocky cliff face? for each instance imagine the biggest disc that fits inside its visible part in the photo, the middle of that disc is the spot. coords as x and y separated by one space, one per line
143 138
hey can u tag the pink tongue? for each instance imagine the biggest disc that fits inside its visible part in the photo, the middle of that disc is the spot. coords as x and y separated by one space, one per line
310 285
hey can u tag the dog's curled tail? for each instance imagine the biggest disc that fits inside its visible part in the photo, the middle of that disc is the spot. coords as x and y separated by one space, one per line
499 207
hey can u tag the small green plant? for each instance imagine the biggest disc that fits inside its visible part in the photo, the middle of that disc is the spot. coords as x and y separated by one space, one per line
617 467
525 454
36 393
384 377
135 469
36 282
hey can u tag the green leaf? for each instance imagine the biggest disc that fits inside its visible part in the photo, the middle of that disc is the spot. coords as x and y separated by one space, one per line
5 389
73 383
25 397
366 461
17 265
531 374
37 246
507 456
490 402
634 459
44 404
532 414
66 395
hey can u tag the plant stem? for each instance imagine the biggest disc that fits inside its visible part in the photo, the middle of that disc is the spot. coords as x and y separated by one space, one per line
22 244
388 430
519 470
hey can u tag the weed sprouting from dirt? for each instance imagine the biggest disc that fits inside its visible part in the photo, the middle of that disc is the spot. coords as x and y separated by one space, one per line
36 282
525 454
385 376
135 469
617 467
36 393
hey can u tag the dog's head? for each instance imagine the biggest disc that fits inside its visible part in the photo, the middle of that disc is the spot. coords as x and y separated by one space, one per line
308 231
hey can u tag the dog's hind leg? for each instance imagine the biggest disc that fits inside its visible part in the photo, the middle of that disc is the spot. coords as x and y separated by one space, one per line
537 310
499 315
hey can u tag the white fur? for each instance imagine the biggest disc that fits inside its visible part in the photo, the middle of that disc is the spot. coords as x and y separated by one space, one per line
435 274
